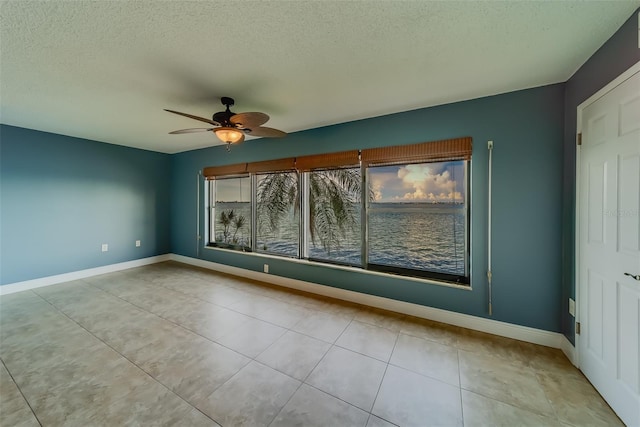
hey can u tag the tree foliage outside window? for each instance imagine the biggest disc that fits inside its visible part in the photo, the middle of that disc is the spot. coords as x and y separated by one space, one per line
416 217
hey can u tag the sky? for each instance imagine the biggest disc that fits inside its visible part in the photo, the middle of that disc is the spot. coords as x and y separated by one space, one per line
233 190
426 182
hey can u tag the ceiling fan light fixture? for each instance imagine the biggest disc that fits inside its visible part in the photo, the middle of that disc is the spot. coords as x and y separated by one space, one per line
229 135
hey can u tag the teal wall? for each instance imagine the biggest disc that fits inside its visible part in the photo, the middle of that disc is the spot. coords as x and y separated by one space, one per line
62 197
527 130
616 56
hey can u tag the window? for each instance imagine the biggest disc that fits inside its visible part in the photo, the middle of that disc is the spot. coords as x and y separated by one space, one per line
417 219
278 213
230 221
401 210
334 225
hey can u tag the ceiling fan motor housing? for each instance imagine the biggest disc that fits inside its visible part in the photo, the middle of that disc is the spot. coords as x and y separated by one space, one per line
224 117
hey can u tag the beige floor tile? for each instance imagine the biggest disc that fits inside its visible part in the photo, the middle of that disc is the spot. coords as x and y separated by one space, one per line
271 310
129 335
285 314
410 399
194 368
311 407
510 350
61 393
349 376
294 354
323 326
383 318
546 360
480 411
253 305
64 367
576 402
253 397
429 330
154 405
207 319
370 340
510 383
343 308
427 358
252 337
19 301
223 296
378 422
14 409
46 347
159 300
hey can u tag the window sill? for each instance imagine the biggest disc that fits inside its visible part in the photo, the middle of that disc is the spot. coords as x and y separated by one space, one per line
347 268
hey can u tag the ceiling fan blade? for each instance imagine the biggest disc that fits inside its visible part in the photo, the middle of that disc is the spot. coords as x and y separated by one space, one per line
265 132
191 116
192 130
249 120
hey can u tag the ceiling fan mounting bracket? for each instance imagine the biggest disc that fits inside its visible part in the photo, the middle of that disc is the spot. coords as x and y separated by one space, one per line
228 102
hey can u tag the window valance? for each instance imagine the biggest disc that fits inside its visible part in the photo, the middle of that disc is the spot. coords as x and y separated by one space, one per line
435 151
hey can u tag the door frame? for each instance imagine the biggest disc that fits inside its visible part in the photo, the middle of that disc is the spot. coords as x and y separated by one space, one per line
635 68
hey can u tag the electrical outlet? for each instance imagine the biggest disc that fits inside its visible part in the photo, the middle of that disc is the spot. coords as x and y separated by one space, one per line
572 307
105 247
266 268
137 243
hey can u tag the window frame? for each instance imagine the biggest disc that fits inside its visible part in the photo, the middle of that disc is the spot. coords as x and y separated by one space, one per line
464 279
458 149
211 219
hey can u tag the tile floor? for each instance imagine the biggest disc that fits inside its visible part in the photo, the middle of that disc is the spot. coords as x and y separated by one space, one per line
169 344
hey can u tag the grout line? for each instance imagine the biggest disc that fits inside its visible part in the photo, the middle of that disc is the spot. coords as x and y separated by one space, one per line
338 398
21 393
460 384
384 374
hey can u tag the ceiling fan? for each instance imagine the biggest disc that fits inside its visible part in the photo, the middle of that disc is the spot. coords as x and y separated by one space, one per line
230 127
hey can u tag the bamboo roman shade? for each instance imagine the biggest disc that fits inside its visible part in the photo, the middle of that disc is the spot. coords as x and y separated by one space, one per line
436 151
278 165
214 171
330 160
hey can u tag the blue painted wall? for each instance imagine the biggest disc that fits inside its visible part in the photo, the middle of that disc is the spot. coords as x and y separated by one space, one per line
616 56
62 197
527 129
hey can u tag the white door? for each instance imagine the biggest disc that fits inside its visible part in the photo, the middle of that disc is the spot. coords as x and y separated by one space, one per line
609 247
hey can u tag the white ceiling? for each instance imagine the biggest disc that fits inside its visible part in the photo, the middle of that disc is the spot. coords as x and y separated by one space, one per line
105 70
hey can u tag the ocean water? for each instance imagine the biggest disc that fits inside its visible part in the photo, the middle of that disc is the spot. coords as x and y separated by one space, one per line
420 236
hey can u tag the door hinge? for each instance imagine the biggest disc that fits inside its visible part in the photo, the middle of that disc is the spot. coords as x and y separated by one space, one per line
577 328
579 138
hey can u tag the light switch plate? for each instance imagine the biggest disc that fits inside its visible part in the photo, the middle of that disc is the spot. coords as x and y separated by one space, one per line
572 307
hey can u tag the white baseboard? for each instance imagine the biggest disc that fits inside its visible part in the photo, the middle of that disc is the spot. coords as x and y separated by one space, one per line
569 350
509 330
81 274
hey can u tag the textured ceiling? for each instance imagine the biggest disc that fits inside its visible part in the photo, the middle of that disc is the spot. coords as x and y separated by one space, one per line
105 70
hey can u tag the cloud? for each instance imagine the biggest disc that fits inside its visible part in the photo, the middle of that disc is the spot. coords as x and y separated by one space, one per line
427 185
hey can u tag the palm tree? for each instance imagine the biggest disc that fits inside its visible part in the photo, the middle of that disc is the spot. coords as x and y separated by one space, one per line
334 196
229 219
238 222
225 220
